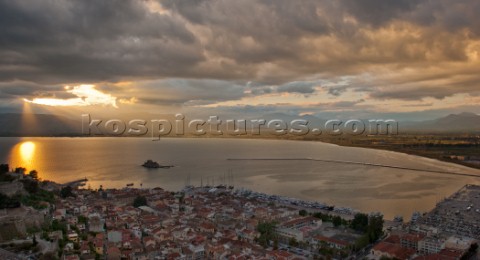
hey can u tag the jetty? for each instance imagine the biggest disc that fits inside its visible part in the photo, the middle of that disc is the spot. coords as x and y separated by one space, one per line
79 182
358 163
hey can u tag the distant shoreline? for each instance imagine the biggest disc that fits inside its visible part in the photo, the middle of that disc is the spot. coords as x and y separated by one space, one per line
423 145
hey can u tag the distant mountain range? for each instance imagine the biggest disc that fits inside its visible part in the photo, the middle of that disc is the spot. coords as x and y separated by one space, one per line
52 125
454 123
37 125
463 122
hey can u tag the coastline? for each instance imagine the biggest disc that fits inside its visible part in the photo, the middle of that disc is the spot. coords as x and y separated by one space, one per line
330 183
425 153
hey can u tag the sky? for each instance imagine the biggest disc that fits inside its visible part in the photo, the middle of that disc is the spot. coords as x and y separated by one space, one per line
404 59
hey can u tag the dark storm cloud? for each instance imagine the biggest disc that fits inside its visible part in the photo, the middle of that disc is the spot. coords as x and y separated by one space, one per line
272 18
224 44
261 90
252 33
416 93
337 90
341 105
438 84
19 89
299 87
348 107
448 15
379 12
88 41
304 87
181 91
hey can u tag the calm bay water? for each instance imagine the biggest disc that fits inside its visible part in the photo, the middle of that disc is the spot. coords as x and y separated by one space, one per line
114 162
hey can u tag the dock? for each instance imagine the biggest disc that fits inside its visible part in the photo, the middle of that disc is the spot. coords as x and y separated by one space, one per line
358 163
78 182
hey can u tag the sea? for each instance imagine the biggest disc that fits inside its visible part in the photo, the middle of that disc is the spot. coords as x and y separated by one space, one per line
116 162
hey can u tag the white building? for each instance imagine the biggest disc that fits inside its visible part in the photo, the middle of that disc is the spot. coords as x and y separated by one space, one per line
431 245
459 243
288 233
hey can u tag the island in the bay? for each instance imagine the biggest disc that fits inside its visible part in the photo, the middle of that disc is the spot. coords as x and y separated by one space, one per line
155 165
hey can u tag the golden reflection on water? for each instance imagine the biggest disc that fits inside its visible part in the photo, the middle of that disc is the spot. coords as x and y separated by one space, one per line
23 155
27 150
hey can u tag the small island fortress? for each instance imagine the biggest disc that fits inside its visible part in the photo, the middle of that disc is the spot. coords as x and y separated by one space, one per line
155 165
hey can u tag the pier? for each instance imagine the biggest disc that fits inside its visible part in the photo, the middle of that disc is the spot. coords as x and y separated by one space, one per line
357 163
78 182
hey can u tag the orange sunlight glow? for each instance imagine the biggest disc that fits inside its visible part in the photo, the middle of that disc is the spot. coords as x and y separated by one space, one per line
28 117
87 95
27 149
26 154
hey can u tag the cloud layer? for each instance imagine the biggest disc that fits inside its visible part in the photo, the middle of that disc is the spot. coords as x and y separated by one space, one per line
235 53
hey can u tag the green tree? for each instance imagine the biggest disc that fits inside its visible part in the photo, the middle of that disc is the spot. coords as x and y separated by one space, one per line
4 168
360 222
20 170
372 232
293 242
471 252
275 244
82 219
57 225
30 185
140 201
267 232
387 258
302 212
9 202
361 242
337 221
33 174
375 227
66 192
323 217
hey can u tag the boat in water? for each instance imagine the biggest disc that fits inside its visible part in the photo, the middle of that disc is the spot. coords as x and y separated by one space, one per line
155 165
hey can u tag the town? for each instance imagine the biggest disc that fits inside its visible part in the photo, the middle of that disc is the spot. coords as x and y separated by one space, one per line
45 220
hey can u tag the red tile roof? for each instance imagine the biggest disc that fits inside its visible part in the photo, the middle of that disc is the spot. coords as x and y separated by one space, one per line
444 254
394 250
393 239
332 240
413 237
